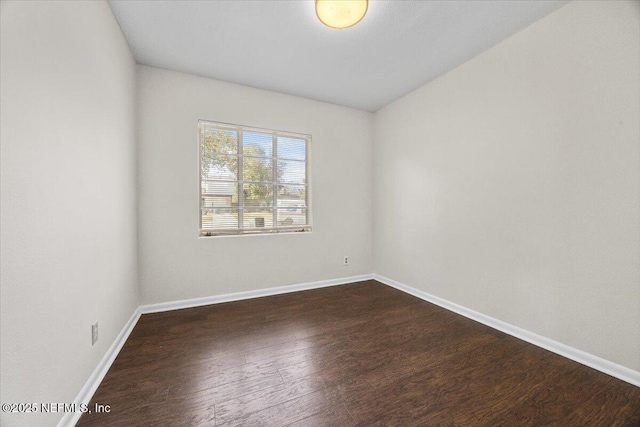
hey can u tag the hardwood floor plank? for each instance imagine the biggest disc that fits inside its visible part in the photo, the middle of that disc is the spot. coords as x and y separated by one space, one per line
225 390
360 354
266 398
337 416
616 404
291 410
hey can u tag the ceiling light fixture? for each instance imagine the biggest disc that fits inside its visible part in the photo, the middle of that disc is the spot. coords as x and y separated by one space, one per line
341 13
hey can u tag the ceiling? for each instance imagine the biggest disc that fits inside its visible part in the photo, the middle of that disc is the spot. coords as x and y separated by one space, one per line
281 46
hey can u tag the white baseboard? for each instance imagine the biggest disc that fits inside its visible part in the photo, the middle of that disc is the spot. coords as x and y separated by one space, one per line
90 387
595 362
237 296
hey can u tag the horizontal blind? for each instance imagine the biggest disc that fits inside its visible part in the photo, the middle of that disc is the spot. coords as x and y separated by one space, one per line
252 180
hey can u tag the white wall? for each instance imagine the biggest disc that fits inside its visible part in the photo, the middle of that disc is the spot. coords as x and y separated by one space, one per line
68 197
511 185
174 263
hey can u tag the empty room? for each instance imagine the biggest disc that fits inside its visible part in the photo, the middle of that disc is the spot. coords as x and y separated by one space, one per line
320 213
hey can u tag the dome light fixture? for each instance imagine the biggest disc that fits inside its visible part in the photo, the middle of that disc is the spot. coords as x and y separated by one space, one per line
341 13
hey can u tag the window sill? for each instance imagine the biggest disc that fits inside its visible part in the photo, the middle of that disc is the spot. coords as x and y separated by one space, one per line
203 235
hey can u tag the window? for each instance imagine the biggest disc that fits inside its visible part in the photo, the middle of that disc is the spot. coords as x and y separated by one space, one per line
252 180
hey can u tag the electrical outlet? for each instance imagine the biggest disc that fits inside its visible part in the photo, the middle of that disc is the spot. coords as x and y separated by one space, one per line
94 333
346 260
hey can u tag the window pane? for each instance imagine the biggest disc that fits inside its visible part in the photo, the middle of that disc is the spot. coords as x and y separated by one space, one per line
292 217
218 188
292 148
219 167
219 201
239 173
291 172
257 144
292 196
259 195
254 169
258 218
218 141
219 218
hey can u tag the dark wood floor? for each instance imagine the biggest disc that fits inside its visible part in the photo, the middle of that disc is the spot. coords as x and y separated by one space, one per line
360 354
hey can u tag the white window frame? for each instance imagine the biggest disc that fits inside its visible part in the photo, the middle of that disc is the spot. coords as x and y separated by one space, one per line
241 231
